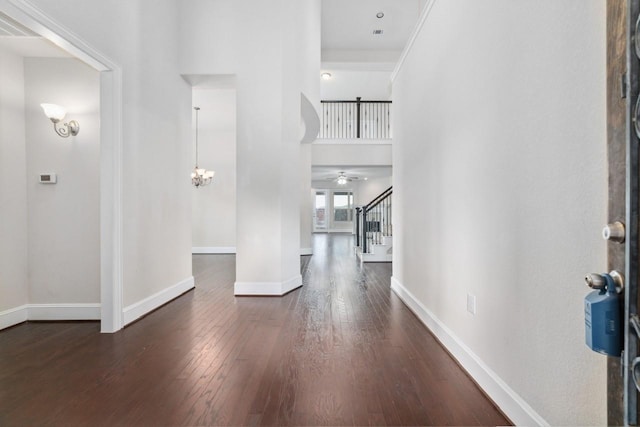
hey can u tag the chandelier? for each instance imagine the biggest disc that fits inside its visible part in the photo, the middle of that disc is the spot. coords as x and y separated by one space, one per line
200 176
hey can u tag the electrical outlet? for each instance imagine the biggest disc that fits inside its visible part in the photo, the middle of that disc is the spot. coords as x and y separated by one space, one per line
471 303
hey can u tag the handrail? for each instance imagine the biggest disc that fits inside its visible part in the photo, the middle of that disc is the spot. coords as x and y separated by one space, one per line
378 199
355 119
345 101
379 225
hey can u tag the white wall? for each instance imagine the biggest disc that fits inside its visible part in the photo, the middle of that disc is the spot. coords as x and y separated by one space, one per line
219 37
13 188
306 201
355 154
500 190
214 206
367 190
142 37
349 84
64 218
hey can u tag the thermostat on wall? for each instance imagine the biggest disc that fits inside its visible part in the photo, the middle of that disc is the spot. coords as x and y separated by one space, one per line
48 178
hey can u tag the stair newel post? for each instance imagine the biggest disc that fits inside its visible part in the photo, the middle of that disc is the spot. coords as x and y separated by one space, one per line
379 223
380 226
357 227
386 217
365 228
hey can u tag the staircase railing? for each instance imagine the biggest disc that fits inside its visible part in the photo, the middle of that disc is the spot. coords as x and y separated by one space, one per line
373 221
355 119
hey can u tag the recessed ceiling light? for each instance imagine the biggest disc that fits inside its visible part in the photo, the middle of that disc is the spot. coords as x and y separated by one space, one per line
380 15
325 76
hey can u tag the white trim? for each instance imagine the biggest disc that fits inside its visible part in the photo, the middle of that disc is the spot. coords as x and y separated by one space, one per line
267 288
111 190
140 308
514 406
414 35
306 251
63 311
13 316
213 250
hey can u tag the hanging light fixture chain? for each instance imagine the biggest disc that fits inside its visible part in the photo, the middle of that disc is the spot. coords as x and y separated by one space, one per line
197 110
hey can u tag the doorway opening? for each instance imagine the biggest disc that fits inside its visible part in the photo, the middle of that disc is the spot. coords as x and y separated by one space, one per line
107 130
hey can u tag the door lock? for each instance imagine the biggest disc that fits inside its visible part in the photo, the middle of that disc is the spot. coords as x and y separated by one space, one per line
614 232
597 281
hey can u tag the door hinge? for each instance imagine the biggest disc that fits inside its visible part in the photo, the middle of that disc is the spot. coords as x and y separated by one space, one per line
623 86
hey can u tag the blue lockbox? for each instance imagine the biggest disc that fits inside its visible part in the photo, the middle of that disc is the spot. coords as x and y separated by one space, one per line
603 320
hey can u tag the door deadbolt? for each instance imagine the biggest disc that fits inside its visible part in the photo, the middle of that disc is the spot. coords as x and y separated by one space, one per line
614 232
597 281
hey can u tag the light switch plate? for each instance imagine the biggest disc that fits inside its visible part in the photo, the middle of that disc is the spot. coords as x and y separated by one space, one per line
471 303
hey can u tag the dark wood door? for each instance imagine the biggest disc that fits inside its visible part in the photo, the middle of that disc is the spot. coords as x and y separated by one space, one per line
623 148
616 150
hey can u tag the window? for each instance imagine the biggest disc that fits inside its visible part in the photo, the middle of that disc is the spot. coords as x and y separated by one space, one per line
342 205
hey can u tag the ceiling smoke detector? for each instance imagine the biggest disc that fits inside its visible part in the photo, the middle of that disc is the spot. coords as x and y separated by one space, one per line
377 32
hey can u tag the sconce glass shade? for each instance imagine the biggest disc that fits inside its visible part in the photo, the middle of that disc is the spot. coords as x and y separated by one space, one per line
54 112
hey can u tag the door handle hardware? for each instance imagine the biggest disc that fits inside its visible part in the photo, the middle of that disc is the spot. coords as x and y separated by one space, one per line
594 280
597 281
614 232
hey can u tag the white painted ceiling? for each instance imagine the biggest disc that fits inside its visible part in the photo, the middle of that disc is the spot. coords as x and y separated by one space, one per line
322 173
349 24
359 61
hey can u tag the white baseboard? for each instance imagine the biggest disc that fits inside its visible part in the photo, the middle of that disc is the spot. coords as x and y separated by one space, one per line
13 316
306 251
64 311
140 308
213 250
267 288
514 406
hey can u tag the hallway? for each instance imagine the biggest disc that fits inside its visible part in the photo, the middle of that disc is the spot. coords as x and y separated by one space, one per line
341 350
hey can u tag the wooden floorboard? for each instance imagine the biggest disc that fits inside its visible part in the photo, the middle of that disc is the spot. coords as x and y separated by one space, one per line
341 350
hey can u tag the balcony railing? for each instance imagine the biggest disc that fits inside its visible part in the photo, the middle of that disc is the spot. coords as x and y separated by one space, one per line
355 120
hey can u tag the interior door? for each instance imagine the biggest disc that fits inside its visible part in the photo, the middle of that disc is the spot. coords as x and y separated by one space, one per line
616 131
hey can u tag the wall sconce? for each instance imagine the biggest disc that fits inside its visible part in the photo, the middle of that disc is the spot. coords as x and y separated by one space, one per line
56 113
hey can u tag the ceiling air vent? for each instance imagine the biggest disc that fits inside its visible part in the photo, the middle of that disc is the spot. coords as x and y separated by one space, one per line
377 32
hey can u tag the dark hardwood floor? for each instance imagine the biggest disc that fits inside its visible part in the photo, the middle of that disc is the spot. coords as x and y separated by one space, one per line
341 350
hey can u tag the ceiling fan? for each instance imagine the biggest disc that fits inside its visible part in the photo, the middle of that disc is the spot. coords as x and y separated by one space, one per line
342 178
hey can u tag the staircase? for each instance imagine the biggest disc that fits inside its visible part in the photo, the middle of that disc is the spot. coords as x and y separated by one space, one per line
374 230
